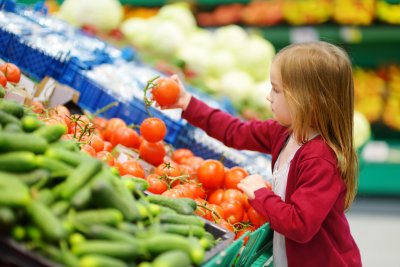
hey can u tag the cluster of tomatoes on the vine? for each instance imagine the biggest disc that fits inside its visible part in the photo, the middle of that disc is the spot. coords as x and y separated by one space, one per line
9 73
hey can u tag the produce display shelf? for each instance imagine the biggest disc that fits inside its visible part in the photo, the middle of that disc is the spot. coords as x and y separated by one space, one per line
157 3
15 254
381 178
368 46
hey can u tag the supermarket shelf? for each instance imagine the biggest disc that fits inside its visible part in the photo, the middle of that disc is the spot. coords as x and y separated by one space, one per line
368 46
153 3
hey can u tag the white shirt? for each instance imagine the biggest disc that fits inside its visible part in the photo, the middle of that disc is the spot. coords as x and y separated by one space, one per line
279 177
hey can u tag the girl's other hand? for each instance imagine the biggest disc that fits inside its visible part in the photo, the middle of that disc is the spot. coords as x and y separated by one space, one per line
250 184
184 96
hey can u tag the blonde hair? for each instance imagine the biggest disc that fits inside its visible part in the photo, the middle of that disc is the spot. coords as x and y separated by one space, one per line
318 84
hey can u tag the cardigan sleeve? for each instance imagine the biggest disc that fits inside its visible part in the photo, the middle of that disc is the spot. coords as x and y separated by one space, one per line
251 135
318 189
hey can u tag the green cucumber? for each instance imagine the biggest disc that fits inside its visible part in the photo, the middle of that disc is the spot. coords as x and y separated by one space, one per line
63 256
50 226
59 208
99 216
162 242
100 231
98 260
55 167
117 249
51 132
6 118
130 228
184 230
70 157
22 142
106 195
80 176
172 203
12 107
13 192
45 196
18 161
13 128
70 145
172 258
135 183
81 199
181 219
30 123
33 177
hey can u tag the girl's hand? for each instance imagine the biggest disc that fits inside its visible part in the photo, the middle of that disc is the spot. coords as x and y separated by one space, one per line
184 96
250 184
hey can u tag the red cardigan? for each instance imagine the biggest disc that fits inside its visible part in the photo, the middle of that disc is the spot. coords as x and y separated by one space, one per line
312 218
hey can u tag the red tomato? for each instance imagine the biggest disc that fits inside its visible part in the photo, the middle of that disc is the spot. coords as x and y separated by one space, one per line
112 125
100 123
233 194
185 190
224 224
125 136
233 176
197 190
156 184
153 130
165 91
106 157
216 212
11 71
173 193
211 173
168 169
3 79
233 211
153 153
131 167
193 162
88 149
97 143
256 218
180 154
107 146
216 196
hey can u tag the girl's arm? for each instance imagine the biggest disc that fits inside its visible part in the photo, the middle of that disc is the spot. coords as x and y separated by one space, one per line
318 189
251 135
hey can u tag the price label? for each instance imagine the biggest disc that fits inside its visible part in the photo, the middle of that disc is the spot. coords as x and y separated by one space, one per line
303 34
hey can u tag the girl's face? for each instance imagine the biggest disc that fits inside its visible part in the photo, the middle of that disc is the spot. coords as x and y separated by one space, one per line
279 105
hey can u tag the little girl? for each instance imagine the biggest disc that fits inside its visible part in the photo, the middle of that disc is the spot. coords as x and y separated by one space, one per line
313 158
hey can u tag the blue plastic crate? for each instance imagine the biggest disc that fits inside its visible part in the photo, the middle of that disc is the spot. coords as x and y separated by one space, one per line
90 92
104 100
14 50
5 37
35 62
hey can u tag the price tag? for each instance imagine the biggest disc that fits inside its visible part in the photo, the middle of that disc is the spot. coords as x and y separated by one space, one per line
303 34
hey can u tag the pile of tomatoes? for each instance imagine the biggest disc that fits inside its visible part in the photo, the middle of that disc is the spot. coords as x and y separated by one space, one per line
178 173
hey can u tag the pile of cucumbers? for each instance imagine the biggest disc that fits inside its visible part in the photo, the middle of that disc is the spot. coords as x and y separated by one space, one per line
77 211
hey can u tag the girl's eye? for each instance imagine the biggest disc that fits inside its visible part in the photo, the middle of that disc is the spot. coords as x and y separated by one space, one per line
275 90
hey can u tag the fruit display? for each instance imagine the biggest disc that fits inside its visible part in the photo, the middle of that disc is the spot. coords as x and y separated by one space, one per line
306 12
354 12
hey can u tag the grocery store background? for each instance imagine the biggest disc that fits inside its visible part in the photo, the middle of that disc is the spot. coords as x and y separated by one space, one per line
369 30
